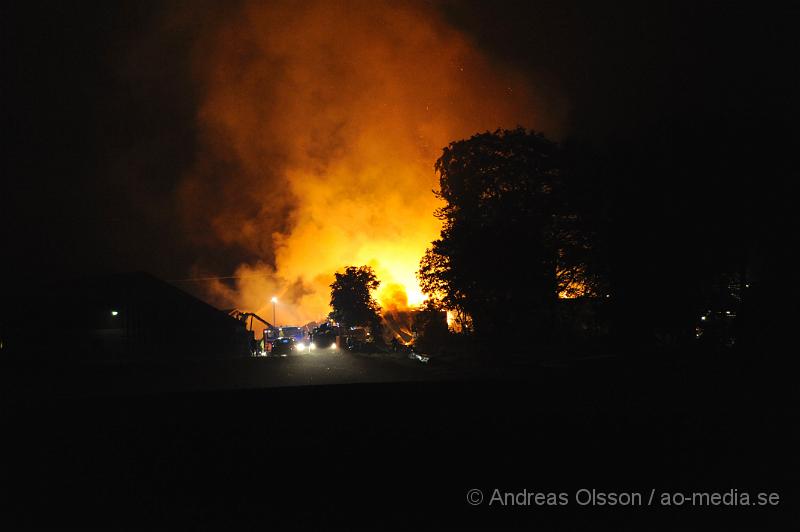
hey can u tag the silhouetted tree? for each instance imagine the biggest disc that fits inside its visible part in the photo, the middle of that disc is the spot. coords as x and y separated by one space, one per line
430 322
351 297
509 242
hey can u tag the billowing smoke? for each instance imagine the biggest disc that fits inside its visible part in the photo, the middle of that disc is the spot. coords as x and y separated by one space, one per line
320 125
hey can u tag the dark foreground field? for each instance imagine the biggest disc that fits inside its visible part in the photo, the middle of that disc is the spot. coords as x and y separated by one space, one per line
405 454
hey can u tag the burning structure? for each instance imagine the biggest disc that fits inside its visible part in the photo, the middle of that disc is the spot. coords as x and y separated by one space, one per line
407 324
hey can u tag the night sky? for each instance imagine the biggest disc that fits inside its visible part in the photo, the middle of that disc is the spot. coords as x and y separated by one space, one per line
101 102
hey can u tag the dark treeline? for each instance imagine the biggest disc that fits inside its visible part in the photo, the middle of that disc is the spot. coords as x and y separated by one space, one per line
676 237
699 220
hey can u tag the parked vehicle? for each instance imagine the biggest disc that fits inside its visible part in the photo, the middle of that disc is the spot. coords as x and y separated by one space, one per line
283 347
298 333
301 336
324 337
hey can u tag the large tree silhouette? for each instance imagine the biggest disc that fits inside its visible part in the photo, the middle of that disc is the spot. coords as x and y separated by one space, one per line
509 242
351 297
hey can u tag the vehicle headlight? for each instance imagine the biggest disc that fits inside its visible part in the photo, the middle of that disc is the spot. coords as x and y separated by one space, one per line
301 346
333 346
311 345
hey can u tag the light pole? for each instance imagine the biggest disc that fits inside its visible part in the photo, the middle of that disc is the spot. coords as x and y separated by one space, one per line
274 322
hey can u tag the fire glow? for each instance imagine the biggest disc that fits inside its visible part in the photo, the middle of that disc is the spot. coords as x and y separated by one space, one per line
325 120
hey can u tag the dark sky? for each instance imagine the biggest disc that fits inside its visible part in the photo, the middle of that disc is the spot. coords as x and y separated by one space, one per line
100 105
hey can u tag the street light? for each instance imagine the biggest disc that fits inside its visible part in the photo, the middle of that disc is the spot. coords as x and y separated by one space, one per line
274 300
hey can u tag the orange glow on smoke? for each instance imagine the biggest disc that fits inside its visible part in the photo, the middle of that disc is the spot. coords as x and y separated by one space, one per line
324 121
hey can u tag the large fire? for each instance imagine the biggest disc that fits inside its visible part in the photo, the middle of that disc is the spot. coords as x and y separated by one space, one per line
321 123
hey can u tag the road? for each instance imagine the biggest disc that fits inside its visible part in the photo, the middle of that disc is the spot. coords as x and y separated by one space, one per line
324 367
321 368
277 453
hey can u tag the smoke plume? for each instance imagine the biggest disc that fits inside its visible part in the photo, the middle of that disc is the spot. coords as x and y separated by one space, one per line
320 125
